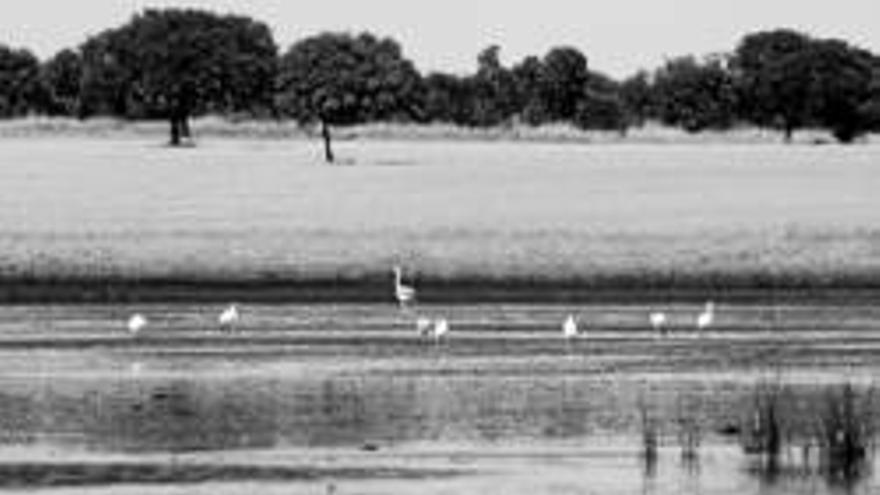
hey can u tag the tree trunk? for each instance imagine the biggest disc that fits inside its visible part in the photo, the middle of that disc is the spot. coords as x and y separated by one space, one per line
325 133
175 131
789 130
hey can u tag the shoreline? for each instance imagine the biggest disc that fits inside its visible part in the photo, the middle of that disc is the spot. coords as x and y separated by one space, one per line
378 290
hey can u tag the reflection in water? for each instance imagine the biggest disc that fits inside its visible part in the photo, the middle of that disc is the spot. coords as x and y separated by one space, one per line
143 413
786 438
819 433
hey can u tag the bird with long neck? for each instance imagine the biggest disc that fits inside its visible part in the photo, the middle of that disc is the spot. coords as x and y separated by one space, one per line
658 322
569 328
707 317
404 294
229 317
441 329
423 325
136 323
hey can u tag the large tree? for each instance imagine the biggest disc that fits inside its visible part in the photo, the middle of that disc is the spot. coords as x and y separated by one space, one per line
19 77
341 79
494 98
563 80
448 98
788 80
528 79
838 80
175 63
695 94
637 94
768 94
601 106
60 78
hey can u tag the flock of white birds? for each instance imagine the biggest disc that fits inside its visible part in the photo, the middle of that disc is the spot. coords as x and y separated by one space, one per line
438 328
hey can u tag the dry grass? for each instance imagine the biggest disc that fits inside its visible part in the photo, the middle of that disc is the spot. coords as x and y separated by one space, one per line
212 127
445 209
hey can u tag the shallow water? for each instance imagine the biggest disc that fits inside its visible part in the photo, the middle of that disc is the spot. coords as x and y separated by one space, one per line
299 397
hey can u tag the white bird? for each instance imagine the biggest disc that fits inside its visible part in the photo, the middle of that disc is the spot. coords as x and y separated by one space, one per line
569 328
441 328
706 318
658 321
229 317
136 323
423 325
405 294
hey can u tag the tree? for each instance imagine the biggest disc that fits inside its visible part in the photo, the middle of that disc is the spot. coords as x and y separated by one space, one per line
60 79
789 80
176 63
637 95
602 111
695 95
601 105
838 84
339 79
19 77
768 94
494 98
527 77
563 79
448 98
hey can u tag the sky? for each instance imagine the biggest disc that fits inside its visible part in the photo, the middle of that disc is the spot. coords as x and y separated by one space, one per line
617 36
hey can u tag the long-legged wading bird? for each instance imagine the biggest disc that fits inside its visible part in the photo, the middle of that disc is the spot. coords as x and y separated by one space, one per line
405 294
229 317
707 317
569 328
441 329
423 325
658 322
136 323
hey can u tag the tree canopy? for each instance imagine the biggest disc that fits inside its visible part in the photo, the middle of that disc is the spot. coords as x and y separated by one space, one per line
19 76
60 80
175 63
789 80
341 78
694 94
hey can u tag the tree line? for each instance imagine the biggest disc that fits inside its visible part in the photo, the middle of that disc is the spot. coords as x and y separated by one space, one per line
174 64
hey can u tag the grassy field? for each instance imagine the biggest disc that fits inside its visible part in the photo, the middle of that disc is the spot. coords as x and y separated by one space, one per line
623 216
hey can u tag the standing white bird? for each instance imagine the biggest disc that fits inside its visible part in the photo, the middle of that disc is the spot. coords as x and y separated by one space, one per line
441 329
423 325
229 317
136 323
405 294
706 318
569 327
658 322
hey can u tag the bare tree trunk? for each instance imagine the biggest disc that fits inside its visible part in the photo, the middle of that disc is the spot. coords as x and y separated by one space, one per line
325 133
175 131
789 131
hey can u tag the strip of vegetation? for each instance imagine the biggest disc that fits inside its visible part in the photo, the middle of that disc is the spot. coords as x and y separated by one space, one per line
175 64
46 475
374 288
831 434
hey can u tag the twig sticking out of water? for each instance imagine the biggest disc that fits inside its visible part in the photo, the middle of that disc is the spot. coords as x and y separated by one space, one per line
689 431
844 430
762 434
650 437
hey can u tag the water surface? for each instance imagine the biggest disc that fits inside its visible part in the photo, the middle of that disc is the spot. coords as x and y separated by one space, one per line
301 397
